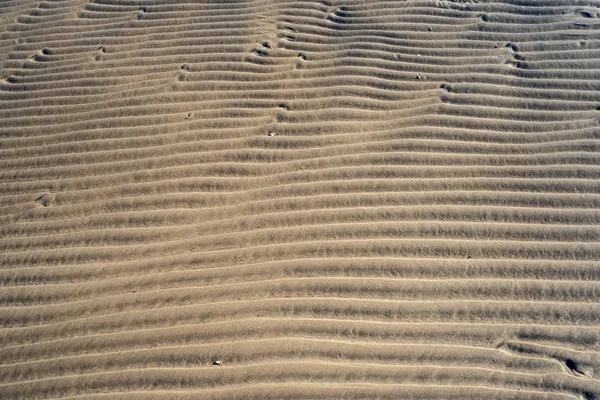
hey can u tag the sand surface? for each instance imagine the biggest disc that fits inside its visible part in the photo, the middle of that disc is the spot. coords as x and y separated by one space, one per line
333 199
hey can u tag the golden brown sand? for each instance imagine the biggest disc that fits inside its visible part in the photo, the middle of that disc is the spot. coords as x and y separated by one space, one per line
332 199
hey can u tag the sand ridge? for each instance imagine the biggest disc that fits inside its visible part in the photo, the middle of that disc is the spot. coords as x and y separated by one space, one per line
334 199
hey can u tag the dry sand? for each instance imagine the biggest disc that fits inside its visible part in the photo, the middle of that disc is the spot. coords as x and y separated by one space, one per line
333 199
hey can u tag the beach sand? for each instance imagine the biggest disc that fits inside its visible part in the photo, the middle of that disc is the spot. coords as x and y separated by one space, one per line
300 199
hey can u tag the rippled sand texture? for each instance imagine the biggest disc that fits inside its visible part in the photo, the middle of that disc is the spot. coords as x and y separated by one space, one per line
334 199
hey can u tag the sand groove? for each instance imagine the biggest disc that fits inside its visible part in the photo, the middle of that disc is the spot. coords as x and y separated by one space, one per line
336 199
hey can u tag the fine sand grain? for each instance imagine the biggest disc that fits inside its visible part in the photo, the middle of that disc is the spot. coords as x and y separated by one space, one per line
281 199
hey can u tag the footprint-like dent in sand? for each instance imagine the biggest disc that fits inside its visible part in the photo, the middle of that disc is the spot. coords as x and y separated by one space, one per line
572 365
44 199
588 12
446 87
514 47
259 52
99 53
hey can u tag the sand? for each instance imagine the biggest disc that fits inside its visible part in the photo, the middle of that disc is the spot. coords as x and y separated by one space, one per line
328 199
